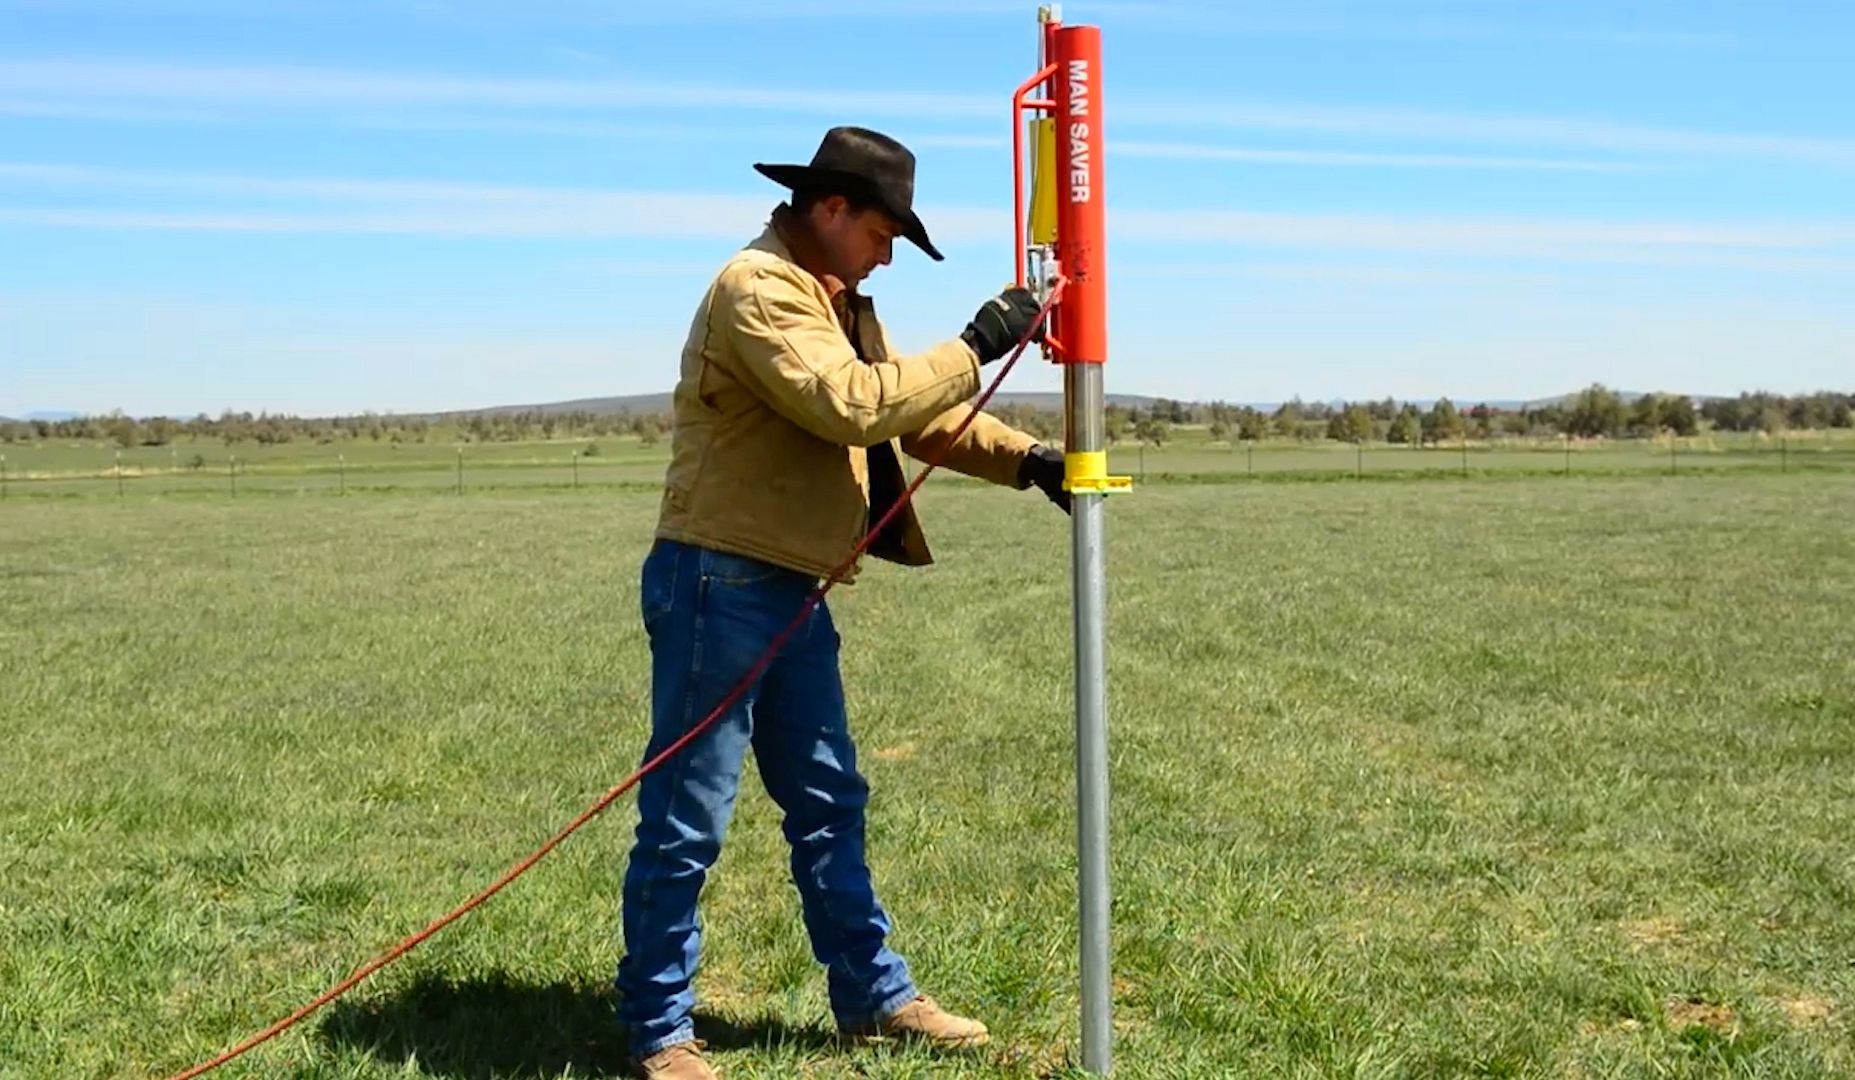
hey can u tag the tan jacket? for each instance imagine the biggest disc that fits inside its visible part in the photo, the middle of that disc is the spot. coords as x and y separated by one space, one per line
775 415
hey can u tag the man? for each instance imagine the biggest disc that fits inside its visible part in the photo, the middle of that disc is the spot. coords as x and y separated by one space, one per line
790 411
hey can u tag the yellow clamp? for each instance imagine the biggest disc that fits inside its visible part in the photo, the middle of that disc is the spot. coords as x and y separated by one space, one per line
1087 471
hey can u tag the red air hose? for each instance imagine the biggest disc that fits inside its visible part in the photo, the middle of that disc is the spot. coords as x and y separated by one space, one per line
611 796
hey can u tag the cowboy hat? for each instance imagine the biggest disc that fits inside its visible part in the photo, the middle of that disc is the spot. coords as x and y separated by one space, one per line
855 160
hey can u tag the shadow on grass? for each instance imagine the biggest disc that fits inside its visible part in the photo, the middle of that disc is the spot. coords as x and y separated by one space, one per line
493 1026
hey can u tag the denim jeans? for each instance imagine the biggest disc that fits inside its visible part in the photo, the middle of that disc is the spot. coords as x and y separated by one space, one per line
710 616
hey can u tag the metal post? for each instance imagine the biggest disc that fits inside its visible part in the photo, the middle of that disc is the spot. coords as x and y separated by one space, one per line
1671 455
1082 324
1252 457
1359 467
1568 453
1067 234
1784 457
1465 456
1083 389
342 463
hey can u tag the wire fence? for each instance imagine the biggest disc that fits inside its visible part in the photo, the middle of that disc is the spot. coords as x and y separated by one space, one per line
491 467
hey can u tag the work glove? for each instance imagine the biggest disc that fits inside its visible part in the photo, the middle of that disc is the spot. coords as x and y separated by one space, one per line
1044 468
1000 322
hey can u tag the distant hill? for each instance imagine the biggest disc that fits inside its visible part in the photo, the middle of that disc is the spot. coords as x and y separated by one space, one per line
599 406
660 403
641 404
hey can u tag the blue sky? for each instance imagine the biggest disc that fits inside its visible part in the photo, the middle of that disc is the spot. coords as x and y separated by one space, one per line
321 205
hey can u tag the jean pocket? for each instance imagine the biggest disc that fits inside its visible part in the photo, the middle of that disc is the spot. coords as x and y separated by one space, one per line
657 582
726 568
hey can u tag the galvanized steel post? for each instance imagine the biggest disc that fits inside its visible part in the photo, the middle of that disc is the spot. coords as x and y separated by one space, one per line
1066 241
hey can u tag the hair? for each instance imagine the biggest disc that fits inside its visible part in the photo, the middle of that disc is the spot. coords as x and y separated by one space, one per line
804 198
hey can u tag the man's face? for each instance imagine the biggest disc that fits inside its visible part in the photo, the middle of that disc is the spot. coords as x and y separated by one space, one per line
855 243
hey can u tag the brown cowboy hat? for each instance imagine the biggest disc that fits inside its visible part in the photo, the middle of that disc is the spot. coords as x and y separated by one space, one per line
866 163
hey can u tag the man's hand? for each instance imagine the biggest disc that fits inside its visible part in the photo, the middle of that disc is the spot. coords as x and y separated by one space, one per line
1044 468
1000 322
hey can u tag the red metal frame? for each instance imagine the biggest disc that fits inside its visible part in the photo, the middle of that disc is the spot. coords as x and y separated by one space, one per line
1018 105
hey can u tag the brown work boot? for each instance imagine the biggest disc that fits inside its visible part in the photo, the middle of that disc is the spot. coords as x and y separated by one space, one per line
925 1021
682 1061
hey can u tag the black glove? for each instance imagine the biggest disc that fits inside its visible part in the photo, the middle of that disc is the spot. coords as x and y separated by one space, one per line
1000 322
1044 468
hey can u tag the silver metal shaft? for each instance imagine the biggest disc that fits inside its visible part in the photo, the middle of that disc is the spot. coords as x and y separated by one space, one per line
1084 431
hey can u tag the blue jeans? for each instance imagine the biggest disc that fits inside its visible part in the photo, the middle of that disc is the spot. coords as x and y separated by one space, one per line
710 616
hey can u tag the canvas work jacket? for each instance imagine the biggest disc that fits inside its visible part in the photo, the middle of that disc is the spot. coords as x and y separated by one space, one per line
791 408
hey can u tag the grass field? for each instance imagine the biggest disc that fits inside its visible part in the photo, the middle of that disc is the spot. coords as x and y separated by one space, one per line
208 468
1459 778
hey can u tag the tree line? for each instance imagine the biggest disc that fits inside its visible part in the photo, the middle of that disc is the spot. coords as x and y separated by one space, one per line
273 429
1596 411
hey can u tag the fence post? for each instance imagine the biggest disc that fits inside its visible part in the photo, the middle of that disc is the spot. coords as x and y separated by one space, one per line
1671 455
460 470
342 464
119 474
1251 447
1143 459
1784 455
1359 466
1465 456
1568 453
576 470
231 470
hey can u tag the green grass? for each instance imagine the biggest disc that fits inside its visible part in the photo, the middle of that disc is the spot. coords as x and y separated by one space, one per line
69 469
1410 780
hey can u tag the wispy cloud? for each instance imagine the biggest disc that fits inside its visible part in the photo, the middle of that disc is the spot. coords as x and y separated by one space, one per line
310 87
78 110
553 104
234 203
1165 151
1405 22
1470 234
1417 22
1375 122
682 132
636 216
1175 151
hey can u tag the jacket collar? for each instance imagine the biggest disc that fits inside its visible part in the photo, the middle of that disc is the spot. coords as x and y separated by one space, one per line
787 238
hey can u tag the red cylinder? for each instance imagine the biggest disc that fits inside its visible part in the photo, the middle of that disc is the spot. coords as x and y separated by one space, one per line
1082 324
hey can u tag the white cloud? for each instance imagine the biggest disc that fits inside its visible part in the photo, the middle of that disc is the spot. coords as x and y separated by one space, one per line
273 87
1357 159
1471 235
309 86
1378 122
633 217
77 110
1125 148
248 204
1416 22
1408 22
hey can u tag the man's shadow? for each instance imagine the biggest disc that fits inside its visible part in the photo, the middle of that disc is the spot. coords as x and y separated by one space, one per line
496 1027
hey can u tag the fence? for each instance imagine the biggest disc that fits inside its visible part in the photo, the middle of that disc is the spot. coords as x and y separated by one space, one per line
29 472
